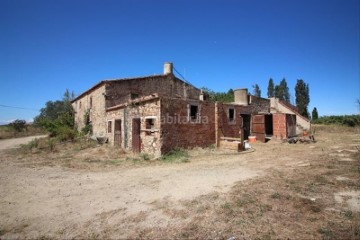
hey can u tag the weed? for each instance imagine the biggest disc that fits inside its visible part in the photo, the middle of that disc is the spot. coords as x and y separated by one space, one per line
349 214
145 156
34 143
275 195
327 233
321 179
51 144
226 206
176 155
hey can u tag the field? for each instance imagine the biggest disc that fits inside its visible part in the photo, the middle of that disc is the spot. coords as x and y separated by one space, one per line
274 191
8 132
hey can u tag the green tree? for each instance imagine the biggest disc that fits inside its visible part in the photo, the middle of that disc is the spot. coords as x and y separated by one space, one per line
57 118
225 97
302 97
282 91
18 125
256 90
271 89
314 114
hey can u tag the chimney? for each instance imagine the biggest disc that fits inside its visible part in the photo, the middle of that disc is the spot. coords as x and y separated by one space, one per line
168 68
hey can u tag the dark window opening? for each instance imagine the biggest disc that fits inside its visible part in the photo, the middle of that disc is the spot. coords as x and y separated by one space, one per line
80 105
150 126
134 95
231 114
109 126
90 102
193 112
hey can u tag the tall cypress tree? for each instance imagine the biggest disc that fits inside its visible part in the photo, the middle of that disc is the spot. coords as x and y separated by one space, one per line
256 90
271 89
302 97
282 91
314 114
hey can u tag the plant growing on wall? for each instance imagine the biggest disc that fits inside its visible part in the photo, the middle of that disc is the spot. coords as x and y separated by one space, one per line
87 129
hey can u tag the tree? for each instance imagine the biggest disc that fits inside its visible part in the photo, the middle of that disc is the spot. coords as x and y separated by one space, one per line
282 91
271 89
57 118
314 114
18 125
219 96
256 90
302 97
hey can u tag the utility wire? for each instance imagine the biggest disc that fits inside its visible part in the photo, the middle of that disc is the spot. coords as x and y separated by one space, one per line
32 109
182 77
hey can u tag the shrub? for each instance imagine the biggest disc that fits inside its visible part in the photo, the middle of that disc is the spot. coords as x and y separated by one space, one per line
18 125
178 154
347 120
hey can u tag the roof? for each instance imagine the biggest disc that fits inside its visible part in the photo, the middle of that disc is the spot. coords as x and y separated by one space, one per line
138 100
116 80
126 79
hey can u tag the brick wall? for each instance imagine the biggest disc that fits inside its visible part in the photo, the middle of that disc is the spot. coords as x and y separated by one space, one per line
97 110
229 128
178 131
284 125
279 126
119 91
259 104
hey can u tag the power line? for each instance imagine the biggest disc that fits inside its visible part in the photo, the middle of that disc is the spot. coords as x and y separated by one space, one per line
24 108
182 76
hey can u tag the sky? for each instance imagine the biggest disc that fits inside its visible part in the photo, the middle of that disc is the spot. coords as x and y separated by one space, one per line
48 46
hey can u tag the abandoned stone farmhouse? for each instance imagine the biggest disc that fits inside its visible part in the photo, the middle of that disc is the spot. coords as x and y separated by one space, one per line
155 114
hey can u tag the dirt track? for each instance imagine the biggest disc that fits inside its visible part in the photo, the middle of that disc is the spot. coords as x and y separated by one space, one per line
53 201
16 142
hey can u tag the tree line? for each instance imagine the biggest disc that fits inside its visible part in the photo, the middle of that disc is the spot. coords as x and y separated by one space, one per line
280 91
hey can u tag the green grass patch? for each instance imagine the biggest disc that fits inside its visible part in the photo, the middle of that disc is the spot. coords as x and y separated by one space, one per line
176 155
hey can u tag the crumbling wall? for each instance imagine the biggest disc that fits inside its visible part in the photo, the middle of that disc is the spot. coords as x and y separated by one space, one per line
178 130
228 128
94 103
302 123
259 105
284 125
119 91
150 141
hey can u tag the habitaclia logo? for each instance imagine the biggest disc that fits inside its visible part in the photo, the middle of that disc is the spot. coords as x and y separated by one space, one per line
178 119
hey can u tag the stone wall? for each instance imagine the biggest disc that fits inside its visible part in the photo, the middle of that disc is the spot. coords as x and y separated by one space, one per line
94 102
150 140
119 91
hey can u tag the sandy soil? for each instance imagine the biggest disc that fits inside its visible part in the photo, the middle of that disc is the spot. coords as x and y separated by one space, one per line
16 142
57 202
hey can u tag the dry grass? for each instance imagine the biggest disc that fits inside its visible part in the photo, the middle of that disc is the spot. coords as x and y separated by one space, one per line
290 201
8 132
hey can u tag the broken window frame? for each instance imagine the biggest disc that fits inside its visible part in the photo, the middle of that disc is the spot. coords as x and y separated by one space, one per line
193 117
109 126
231 119
150 126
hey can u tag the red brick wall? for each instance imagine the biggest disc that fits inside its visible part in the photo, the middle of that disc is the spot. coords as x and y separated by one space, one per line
177 131
279 126
229 128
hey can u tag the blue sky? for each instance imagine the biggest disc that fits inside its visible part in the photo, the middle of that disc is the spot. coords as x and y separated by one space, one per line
47 46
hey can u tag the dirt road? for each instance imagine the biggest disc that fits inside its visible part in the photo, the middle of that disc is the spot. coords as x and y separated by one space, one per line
16 142
53 201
